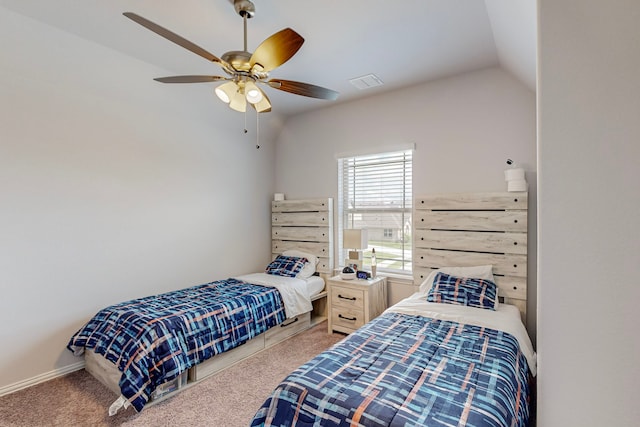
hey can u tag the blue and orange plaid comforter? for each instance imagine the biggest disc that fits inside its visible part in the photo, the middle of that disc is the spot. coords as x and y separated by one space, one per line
405 370
152 340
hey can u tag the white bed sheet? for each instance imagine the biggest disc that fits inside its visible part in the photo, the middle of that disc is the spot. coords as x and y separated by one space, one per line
506 318
294 291
315 285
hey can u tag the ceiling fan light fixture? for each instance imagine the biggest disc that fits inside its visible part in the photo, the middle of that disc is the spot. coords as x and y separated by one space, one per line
254 96
226 91
238 101
264 105
223 96
253 93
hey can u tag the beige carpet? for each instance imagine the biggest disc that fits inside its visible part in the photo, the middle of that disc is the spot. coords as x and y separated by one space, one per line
227 399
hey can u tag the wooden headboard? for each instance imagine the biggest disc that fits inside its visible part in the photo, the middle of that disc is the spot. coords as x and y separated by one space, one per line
474 229
306 225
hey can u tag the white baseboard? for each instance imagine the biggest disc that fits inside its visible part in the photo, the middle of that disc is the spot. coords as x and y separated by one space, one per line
38 379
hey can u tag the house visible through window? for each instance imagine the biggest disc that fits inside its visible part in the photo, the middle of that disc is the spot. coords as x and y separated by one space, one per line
375 192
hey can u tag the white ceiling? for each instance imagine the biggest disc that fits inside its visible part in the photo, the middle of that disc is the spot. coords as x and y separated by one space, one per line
402 42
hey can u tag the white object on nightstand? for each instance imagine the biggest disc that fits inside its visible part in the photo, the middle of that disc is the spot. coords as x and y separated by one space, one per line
348 273
352 303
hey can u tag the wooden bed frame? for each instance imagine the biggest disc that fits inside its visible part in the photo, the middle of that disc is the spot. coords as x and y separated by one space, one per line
474 229
305 225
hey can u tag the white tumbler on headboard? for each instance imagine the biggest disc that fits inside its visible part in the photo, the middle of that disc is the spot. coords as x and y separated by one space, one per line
515 179
517 185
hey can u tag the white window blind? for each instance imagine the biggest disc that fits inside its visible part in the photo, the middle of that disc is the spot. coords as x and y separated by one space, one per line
375 192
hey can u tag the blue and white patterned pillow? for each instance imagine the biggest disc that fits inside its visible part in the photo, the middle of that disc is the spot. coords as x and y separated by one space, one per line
467 291
287 266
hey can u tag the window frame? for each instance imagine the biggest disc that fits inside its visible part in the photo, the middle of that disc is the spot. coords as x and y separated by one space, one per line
349 167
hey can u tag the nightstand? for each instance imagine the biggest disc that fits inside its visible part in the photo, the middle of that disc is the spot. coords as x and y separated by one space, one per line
352 303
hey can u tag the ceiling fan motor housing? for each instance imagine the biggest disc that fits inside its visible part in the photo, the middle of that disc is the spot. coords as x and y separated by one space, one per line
238 59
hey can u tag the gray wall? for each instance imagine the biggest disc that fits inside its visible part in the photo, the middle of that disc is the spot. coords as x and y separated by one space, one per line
588 200
112 187
464 128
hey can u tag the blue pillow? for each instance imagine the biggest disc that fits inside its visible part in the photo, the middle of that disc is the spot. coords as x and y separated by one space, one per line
480 293
287 266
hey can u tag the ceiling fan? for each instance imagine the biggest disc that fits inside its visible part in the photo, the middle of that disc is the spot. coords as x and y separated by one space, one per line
245 70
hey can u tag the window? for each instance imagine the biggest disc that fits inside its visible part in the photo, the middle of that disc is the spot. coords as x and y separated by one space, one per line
374 192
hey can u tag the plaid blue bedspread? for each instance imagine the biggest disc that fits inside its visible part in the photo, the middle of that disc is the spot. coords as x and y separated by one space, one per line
402 370
152 340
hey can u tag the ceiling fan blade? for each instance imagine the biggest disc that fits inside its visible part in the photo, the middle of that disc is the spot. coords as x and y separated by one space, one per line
189 79
276 50
171 36
304 89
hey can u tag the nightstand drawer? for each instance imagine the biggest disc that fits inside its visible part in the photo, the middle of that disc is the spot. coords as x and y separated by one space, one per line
352 303
345 297
347 318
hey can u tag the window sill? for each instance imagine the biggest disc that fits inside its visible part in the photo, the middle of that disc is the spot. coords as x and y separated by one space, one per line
403 279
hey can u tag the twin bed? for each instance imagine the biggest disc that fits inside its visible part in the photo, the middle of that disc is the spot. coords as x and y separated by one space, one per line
153 346
423 362
454 353
148 349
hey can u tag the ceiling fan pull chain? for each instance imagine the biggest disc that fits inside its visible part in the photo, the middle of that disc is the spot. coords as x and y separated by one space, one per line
245 121
257 130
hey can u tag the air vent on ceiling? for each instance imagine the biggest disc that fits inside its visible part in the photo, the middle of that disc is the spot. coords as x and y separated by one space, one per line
366 82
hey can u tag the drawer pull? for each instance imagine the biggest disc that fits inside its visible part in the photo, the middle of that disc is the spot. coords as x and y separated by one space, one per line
347 318
284 325
350 299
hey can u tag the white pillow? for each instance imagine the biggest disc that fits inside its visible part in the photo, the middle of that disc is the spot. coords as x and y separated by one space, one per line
309 267
484 272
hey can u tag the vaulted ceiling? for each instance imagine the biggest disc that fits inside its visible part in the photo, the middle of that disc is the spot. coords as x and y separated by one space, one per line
402 43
